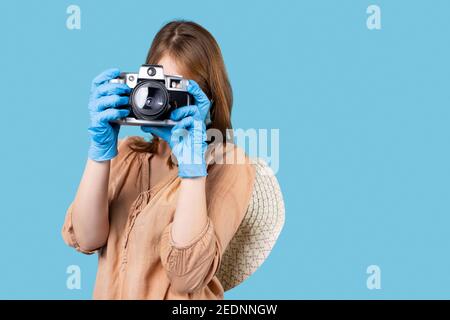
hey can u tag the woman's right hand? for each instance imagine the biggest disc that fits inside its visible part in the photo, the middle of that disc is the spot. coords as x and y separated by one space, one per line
104 99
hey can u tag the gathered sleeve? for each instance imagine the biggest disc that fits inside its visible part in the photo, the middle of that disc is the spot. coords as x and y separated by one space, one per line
116 177
228 192
68 233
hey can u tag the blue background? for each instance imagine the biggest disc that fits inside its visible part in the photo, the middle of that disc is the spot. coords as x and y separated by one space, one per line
363 118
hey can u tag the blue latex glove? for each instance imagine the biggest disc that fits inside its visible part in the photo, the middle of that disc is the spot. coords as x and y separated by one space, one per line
187 138
105 97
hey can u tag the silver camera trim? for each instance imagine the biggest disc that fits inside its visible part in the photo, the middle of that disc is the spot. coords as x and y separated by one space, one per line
131 80
139 122
128 78
182 82
144 74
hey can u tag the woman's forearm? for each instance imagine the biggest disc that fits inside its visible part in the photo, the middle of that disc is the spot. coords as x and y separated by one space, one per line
191 213
90 208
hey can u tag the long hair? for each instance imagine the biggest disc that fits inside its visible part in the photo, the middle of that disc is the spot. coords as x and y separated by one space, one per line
196 51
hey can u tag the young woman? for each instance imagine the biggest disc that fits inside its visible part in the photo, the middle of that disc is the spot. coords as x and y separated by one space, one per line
160 228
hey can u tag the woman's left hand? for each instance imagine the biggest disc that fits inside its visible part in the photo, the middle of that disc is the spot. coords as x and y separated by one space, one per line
187 138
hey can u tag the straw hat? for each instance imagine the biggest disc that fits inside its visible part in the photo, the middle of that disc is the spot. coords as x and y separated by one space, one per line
258 231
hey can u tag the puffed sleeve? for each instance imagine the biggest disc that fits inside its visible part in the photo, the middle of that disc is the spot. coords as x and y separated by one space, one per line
68 233
118 166
228 192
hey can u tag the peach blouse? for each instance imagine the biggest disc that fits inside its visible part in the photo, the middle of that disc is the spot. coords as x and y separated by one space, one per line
139 259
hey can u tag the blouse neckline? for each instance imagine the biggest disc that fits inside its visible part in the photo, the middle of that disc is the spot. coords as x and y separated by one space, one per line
145 187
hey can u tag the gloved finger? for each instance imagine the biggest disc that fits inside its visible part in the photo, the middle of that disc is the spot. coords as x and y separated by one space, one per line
201 100
105 76
176 134
155 130
185 123
106 102
146 129
112 114
108 89
180 129
163 133
183 112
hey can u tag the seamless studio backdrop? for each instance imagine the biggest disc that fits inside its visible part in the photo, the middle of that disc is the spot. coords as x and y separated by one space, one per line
364 136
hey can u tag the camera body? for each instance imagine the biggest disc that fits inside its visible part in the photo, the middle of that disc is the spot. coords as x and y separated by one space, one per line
153 96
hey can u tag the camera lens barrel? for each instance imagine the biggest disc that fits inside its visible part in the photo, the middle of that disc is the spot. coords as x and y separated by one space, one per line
149 100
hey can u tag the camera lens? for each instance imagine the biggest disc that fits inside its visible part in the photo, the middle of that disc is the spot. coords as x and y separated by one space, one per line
151 71
149 100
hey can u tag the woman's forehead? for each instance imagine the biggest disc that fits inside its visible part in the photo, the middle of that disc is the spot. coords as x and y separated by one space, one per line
171 67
